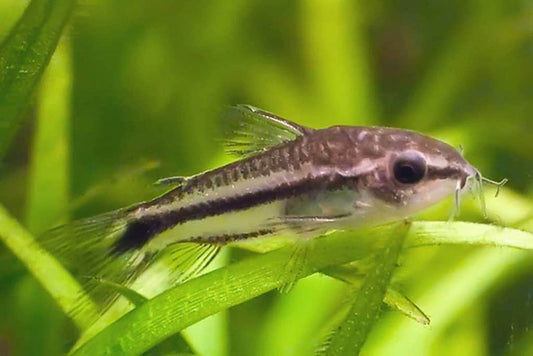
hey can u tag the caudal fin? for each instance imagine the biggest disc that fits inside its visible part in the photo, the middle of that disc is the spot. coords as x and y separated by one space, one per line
94 251
86 248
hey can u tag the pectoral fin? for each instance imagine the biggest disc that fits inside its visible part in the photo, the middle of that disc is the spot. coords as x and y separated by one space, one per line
318 212
307 226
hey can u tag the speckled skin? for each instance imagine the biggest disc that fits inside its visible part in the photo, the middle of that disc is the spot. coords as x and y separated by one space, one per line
331 159
335 153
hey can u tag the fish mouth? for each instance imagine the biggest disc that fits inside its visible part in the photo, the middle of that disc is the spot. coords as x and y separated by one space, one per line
473 181
472 172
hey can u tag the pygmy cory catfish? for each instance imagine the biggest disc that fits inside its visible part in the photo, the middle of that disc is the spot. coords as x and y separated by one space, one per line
290 180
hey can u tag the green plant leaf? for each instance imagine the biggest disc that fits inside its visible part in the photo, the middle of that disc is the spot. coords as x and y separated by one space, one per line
352 333
131 295
334 40
47 270
174 343
402 303
48 191
210 336
194 300
446 299
465 233
393 298
184 305
24 55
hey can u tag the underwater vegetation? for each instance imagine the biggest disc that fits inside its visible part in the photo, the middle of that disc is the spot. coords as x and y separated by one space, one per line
98 100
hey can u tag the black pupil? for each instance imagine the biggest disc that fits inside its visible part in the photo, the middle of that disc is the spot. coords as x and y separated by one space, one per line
409 170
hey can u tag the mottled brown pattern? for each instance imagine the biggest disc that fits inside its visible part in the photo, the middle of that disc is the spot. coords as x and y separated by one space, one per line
332 158
339 147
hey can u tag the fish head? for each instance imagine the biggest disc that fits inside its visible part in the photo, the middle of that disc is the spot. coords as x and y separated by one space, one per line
402 172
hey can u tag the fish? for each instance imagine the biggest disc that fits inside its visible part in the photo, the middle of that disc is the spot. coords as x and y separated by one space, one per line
289 179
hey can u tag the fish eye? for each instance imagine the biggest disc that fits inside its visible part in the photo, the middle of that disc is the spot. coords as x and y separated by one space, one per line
409 167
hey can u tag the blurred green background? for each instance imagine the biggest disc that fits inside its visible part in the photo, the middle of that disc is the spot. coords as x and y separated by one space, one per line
144 83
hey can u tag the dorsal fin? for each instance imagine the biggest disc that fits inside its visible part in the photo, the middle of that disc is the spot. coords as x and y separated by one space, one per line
249 130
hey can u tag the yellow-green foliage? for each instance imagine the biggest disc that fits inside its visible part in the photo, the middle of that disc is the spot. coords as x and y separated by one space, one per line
133 85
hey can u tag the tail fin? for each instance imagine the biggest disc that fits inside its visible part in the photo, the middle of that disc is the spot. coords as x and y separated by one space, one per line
86 248
91 250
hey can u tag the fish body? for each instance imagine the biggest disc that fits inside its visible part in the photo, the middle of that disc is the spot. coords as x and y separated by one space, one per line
290 179
338 177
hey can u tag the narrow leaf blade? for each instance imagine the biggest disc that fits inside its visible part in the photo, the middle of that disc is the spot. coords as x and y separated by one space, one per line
47 270
24 55
426 233
194 300
352 333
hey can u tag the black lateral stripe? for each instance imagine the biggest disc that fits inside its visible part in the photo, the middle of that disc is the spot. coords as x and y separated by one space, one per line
136 235
443 173
245 201
141 230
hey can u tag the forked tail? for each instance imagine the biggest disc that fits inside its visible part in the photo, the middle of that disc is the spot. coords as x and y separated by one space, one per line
85 247
88 249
